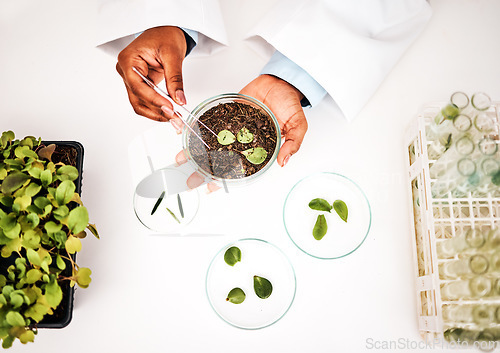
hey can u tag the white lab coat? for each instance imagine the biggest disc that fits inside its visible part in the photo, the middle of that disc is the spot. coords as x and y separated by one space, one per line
348 47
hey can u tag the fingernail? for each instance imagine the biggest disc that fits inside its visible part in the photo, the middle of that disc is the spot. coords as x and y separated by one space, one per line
176 125
181 98
285 161
167 110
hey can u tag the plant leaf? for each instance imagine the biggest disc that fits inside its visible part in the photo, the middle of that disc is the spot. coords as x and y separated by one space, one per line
46 152
232 256
78 219
64 192
244 135
226 137
341 208
14 318
46 177
255 155
320 228
93 230
73 244
13 181
263 288
83 277
67 172
236 296
158 202
320 205
173 215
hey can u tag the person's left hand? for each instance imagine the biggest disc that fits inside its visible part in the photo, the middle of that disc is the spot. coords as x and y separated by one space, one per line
284 101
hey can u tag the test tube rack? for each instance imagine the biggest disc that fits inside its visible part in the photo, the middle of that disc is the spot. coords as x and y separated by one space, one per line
435 219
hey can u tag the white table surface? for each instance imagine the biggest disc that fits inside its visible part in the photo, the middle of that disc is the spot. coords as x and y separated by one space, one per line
147 292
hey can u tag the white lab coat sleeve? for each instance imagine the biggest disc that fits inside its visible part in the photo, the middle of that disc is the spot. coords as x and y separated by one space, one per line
348 47
120 20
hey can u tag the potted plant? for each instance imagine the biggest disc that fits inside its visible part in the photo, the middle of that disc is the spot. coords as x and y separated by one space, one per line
42 220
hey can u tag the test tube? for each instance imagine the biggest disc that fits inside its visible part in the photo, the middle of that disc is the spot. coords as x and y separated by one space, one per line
480 101
462 147
488 167
459 179
473 288
492 239
480 314
485 124
472 265
472 239
442 120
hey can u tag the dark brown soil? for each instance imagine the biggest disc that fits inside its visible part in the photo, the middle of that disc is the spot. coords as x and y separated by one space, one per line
226 161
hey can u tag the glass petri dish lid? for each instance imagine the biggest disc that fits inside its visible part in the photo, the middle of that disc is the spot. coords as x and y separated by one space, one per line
238 128
258 258
342 238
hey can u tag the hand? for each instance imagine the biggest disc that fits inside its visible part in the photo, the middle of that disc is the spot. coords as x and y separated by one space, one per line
284 101
157 53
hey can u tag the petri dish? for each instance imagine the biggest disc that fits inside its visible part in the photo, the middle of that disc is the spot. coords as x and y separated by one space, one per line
342 238
163 203
260 258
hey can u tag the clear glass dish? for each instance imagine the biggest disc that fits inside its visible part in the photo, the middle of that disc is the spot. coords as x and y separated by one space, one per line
260 258
161 203
208 154
342 238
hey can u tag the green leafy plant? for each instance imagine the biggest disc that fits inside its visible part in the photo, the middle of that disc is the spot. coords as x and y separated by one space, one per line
255 155
42 220
320 227
320 205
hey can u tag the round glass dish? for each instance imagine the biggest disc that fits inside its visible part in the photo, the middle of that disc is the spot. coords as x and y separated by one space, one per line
260 258
342 238
161 204
215 154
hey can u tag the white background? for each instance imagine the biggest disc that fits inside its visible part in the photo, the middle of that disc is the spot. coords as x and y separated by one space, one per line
147 292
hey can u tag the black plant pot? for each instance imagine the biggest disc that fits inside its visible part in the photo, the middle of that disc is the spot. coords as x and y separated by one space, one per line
62 315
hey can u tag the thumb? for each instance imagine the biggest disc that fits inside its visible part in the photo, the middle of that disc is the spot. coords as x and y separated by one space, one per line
172 69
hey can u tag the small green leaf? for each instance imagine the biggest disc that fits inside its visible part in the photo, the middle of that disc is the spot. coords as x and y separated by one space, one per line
60 263
67 172
78 219
33 257
255 155
32 189
7 136
232 256
73 244
93 230
64 192
83 277
15 319
236 296
23 202
33 276
37 311
13 182
244 136
61 212
320 205
173 215
320 228
52 227
341 208
46 152
53 293
46 177
263 288
226 137
158 202
27 336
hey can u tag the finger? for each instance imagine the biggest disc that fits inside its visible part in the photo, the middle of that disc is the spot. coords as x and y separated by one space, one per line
211 187
294 132
195 180
172 66
139 89
180 158
141 109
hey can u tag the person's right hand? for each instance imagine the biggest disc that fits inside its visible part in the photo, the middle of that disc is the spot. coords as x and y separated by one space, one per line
158 54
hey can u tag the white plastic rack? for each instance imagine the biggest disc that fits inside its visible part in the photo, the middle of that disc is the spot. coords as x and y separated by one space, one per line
434 220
